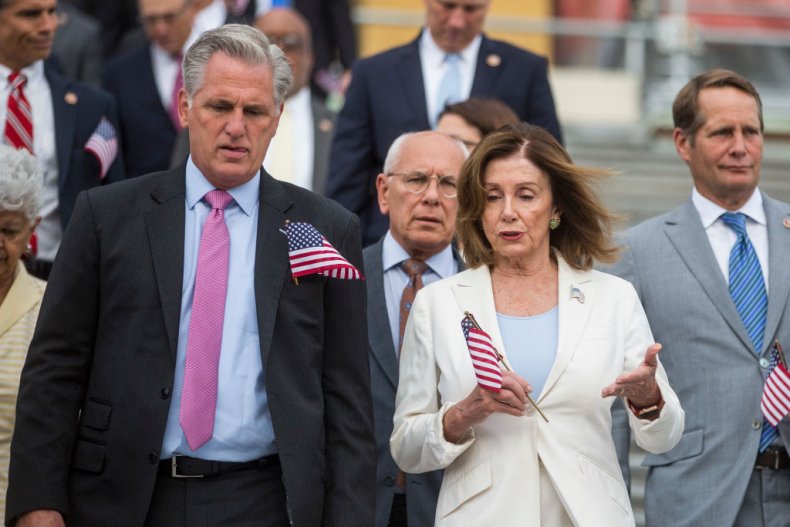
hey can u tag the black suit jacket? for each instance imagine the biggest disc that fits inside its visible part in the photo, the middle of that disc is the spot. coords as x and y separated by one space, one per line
422 490
387 98
94 393
148 132
78 110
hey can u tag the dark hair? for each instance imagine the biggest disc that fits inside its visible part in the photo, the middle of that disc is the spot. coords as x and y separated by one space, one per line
584 234
685 110
484 114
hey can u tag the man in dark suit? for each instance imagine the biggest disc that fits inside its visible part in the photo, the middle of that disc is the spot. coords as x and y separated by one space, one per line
197 383
65 119
416 192
301 148
144 81
404 89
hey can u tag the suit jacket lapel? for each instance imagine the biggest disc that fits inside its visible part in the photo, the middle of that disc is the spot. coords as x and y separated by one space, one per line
412 85
164 222
486 74
378 318
271 257
574 313
778 256
684 230
65 117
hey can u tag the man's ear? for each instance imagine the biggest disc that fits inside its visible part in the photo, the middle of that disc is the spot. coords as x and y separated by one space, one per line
382 191
682 144
183 108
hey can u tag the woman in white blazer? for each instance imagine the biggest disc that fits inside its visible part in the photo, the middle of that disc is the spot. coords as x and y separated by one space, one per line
531 226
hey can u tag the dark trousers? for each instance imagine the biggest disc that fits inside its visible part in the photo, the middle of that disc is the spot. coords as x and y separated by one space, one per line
398 513
242 499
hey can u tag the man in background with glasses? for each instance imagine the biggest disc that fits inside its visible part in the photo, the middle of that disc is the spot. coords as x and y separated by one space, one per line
417 191
145 81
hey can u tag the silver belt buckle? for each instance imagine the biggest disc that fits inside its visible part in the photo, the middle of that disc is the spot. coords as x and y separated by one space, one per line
174 470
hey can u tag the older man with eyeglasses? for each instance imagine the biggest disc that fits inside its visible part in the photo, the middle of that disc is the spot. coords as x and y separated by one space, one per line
146 80
417 191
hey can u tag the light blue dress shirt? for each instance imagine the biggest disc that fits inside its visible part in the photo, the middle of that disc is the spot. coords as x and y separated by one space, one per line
531 344
242 426
440 265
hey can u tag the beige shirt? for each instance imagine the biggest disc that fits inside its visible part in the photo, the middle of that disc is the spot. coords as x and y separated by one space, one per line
18 314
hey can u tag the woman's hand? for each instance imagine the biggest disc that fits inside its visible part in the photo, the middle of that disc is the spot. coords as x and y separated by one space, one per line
480 403
638 385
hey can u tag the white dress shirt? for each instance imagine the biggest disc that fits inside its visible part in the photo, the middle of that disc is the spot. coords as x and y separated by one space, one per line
166 67
302 141
210 17
434 67
722 238
49 232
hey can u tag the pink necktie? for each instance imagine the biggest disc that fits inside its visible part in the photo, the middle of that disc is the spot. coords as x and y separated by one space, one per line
174 96
18 130
199 394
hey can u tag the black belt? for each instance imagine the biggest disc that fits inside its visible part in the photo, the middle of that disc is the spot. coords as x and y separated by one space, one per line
190 467
774 458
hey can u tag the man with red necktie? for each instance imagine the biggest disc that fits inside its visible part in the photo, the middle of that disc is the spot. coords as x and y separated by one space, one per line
51 116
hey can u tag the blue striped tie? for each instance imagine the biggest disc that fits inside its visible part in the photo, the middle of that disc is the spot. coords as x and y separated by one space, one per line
747 289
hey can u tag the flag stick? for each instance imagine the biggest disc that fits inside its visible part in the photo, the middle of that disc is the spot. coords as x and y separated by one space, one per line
778 348
504 364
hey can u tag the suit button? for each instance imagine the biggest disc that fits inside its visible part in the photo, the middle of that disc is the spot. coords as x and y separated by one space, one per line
763 363
165 392
389 481
756 424
153 457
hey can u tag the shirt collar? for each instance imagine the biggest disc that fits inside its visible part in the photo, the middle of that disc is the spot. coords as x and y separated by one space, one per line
435 55
392 254
245 195
709 211
34 72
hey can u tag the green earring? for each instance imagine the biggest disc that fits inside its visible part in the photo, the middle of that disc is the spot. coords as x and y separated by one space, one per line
554 223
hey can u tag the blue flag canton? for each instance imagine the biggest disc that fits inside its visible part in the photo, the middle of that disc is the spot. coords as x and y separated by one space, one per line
302 236
105 129
466 326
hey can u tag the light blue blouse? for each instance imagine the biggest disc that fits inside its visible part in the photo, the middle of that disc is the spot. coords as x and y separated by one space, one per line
531 344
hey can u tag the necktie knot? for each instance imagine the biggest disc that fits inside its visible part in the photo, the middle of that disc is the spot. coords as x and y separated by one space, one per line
17 80
452 59
735 221
218 199
413 268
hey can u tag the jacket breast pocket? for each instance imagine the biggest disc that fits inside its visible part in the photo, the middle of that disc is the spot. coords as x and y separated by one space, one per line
464 487
690 445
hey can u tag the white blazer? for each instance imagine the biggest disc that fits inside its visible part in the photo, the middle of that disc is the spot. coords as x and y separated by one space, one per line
492 475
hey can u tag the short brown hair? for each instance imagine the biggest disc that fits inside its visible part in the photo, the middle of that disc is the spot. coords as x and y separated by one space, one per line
484 114
585 231
685 110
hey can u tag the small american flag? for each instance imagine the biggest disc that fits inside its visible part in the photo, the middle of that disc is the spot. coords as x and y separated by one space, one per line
776 393
310 253
484 356
104 145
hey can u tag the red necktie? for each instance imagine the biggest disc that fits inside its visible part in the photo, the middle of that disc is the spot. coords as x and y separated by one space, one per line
19 119
174 96
204 341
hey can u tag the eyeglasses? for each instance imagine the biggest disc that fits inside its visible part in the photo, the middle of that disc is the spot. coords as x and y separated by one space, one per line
288 43
166 18
417 183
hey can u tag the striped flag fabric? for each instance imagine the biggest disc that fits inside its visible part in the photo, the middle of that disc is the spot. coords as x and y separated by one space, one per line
310 253
775 403
484 356
103 144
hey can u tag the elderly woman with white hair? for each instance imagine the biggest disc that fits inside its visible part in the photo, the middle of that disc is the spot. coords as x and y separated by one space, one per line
21 187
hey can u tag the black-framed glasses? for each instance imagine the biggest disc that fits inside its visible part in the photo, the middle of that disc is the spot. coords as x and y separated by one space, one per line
418 182
167 18
289 43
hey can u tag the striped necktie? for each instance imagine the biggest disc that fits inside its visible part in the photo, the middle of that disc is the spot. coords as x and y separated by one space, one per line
18 130
747 289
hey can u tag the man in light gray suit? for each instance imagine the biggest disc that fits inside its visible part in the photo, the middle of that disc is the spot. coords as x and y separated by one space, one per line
683 265
417 192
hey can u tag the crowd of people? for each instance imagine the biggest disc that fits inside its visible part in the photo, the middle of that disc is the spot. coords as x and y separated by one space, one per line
224 300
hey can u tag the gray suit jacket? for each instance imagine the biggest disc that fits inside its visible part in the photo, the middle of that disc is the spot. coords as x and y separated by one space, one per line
422 489
710 361
95 390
